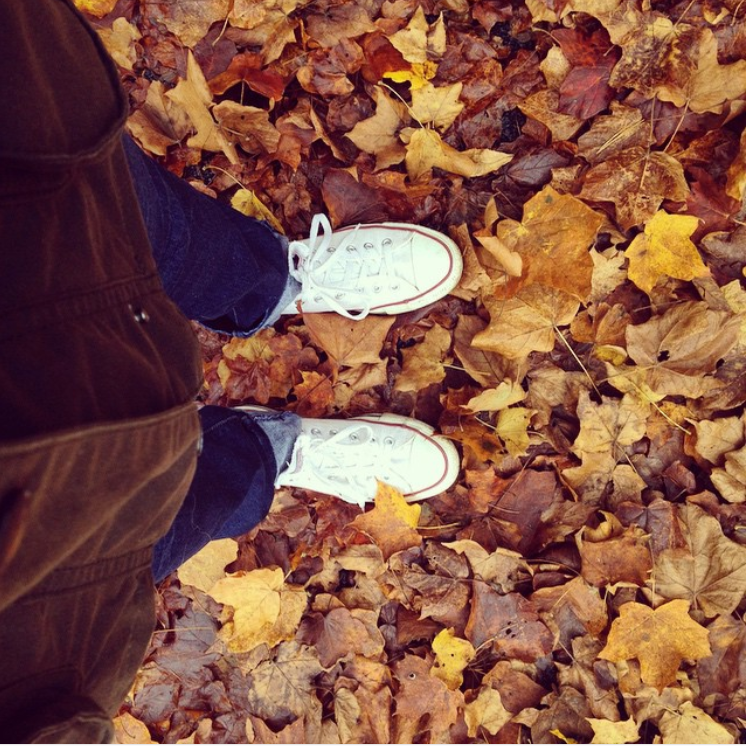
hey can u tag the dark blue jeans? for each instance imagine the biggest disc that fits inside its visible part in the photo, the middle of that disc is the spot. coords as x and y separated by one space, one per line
229 273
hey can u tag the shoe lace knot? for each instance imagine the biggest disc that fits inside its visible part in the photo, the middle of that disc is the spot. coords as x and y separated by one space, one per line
352 460
356 269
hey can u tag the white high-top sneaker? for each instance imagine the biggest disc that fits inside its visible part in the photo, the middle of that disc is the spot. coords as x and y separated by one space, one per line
383 268
347 458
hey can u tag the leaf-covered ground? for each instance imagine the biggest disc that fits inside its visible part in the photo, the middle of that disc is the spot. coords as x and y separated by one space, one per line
584 581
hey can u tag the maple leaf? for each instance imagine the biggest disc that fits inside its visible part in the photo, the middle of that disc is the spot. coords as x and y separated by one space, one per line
624 559
128 729
691 724
606 731
342 633
392 524
283 688
660 639
611 134
247 203
426 150
677 349
710 572
349 343
452 656
423 363
492 400
553 240
265 609
486 711
315 394
437 106
501 567
636 181
378 134
665 250
247 126
543 106
205 568
423 703
194 96
527 322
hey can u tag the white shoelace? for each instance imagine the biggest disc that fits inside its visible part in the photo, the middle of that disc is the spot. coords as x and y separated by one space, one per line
350 270
349 462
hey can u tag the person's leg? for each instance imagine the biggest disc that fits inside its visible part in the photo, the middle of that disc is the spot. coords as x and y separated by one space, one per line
223 269
242 454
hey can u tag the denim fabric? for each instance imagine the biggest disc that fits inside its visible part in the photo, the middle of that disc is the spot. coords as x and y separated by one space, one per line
222 269
233 486
229 273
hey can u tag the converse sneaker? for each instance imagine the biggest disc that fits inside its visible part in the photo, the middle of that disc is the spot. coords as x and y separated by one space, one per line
383 268
347 458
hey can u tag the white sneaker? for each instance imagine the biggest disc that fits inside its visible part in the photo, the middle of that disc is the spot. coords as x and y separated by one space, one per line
347 458
383 268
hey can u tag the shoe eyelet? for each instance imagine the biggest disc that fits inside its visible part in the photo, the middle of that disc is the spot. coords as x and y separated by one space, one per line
395 287
317 299
331 249
315 431
354 437
350 249
339 296
333 432
389 441
377 289
386 242
368 245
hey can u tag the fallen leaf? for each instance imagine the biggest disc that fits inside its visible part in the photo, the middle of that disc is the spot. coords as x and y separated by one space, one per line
527 322
128 729
636 181
392 523
424 704
426 150
452 655
265 609
486 711
437 106
423 363
194 96
342 633
710 572
378 135
690 724
660 639
282 689
606 731
349 343
205 568
665 250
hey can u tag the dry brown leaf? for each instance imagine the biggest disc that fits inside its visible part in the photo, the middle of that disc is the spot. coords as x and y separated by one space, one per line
349 343
636 180
710 572
424 704
527 322
423 363
660 639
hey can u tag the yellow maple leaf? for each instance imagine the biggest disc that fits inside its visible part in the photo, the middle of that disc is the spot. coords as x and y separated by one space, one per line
392 524
437 106
265 610
486 711
660 639
452 656
691 724
412 40
426 150
665 250
512 427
